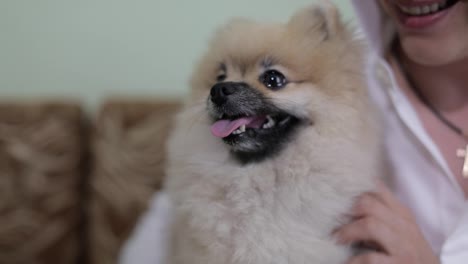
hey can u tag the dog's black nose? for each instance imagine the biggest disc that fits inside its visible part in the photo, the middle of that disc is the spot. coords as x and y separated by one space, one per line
221 91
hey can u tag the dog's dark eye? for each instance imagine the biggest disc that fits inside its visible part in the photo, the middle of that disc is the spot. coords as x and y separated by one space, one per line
221 77
273 79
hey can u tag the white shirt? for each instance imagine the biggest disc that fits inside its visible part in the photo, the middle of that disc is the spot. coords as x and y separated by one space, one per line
420 176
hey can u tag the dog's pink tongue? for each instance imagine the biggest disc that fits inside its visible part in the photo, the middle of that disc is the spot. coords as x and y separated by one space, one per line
224 128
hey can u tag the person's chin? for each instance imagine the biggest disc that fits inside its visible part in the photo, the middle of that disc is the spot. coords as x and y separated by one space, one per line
434 52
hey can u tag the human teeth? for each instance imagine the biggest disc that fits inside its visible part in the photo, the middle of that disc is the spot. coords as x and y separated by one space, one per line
405 9
415 10
270 123
423 10
426 9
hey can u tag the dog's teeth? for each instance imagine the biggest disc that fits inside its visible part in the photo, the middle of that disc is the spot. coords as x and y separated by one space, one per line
270 123
285 120
240 130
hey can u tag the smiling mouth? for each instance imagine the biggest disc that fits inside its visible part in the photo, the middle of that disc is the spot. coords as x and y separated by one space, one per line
426 9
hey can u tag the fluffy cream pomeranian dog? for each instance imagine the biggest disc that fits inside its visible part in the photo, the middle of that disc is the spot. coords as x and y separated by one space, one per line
274 144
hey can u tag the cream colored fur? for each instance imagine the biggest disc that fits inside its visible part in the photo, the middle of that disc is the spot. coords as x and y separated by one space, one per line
283 209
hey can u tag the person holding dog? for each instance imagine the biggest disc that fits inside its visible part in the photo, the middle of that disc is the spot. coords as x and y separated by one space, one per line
418 77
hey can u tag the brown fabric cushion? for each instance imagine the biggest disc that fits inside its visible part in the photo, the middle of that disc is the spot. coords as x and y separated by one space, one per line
129 149
41 150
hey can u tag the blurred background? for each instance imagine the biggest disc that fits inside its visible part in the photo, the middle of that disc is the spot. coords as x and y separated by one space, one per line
87 90
90 49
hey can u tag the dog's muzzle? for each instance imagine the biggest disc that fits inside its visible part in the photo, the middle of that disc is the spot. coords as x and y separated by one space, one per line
248 121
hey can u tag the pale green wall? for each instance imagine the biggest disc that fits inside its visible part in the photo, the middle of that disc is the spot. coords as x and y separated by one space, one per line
89 49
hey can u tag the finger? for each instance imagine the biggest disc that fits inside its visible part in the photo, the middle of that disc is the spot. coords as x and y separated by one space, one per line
370 258
369 229
369 205
386 194
389 199
382 194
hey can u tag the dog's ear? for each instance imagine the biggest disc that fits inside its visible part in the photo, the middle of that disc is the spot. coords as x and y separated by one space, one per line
323 19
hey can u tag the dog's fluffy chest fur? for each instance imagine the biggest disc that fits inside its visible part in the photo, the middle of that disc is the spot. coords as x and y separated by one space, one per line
282 210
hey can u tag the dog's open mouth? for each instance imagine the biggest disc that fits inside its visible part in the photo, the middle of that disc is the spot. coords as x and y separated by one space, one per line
255 137
230 128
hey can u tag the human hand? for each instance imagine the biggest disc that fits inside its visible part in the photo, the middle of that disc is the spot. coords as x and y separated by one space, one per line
379 219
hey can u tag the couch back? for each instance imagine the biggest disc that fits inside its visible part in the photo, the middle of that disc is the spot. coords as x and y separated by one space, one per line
72 186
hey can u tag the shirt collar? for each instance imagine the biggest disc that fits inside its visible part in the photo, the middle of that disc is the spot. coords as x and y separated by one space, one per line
379 32
378 29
